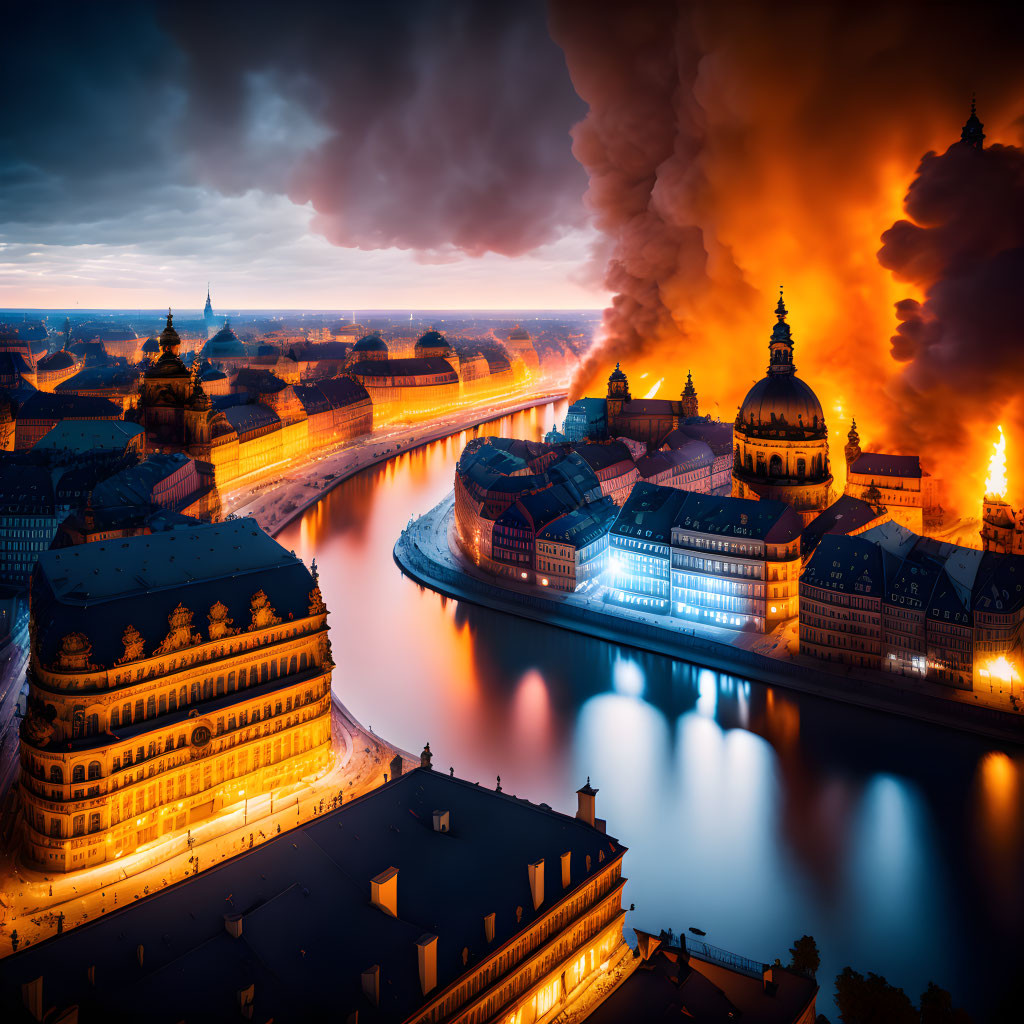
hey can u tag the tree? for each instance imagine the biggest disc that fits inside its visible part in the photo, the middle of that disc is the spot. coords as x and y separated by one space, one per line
937 1007
804 957
871 1000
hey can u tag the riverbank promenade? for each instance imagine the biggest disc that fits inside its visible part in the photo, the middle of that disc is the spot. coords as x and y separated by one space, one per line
427 553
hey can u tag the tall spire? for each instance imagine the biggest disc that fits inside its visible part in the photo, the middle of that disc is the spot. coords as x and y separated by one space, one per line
972 134
781 344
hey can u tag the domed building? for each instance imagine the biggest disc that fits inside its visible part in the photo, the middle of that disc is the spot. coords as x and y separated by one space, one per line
780 441
434 345
225 347
369 349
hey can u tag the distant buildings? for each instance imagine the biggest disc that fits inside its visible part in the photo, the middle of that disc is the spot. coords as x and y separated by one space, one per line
170 676
429 899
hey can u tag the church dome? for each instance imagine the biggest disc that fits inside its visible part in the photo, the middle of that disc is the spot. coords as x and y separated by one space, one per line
371 343
223 344
433 343
781 403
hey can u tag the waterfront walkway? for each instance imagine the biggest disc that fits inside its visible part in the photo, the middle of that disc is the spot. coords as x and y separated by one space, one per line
427 553
274 503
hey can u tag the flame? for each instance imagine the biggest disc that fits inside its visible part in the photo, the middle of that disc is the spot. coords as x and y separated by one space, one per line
995 482
1001 668
655 389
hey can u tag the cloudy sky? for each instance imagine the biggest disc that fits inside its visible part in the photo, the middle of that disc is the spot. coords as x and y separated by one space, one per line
380 155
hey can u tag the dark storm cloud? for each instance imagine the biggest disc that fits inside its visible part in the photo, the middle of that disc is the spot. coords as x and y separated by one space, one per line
963 248
432 126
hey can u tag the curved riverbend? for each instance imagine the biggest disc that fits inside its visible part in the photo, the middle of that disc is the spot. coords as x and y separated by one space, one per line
754 813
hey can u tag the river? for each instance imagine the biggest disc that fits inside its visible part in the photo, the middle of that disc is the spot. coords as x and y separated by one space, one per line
751 812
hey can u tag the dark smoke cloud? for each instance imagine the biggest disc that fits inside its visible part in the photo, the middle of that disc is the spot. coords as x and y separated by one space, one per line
428 126
963 249
731 147
436 126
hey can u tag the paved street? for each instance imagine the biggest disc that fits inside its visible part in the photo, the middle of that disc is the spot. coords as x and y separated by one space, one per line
31 902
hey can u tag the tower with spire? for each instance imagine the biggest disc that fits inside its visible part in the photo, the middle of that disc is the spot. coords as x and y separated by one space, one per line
688 405
208 318
972 134
852 449
781 343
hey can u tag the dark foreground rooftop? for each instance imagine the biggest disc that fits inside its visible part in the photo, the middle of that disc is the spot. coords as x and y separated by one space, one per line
307 927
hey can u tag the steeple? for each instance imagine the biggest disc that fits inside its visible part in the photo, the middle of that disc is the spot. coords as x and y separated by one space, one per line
689 402
169 340
781 344
852 449
972 134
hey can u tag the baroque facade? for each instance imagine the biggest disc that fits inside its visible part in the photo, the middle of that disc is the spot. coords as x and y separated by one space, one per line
170 676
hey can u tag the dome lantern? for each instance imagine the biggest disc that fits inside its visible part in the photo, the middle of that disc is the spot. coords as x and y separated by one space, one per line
781 344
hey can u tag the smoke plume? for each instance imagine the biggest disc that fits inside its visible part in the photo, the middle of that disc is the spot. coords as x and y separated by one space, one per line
440 127
735 147
963 250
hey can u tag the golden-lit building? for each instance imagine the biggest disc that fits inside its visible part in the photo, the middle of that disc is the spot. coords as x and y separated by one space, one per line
170 676
909 493
780 440
264 429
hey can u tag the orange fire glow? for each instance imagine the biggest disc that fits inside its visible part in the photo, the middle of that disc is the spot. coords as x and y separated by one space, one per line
655 389
996 484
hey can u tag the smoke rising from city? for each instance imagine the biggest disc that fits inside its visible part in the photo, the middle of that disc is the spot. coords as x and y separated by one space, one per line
732 149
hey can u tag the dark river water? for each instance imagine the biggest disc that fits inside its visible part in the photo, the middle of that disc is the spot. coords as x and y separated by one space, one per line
754 813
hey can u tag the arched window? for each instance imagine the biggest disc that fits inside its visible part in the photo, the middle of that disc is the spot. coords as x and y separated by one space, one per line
775 466
801 468
56 775
78 722
78 773
163 704
94 770
292 665
207 689
302 662
172 701
92 724
195 693
220 686
115 718
138 711
151 707
79 826
182 697
749 463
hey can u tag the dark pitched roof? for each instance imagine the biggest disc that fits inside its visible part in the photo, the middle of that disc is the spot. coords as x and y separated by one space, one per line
848 565
56 406
304 903
246 418
880 465
845 515
82 436
771 521
649 513
431 367
603 456
100 588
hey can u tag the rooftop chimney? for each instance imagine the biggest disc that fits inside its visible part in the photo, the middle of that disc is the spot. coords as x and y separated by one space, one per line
441 821
768 979
233 925
371 984
426 959
425 756
489 927
586 809
566 874
396 766
536 882
384 891
246 996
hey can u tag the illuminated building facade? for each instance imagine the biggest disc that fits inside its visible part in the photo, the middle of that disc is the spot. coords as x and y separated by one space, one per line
523 908
407 388
909 493
728 562
57 368
171 675
780 438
